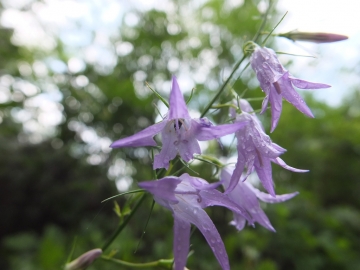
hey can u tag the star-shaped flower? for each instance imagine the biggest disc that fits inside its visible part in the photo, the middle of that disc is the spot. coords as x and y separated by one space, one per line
277 83
180 133
186 196
246 196
256 151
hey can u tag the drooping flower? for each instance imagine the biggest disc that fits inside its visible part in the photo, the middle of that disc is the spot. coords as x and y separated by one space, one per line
246 196
317 37
277 83
256 151
186 196
180 133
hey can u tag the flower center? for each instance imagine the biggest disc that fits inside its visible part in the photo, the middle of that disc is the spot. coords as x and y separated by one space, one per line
179 123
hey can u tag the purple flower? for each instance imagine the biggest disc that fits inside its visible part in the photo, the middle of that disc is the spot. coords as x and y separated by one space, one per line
186 196
180 133
256 151
277 83
246 196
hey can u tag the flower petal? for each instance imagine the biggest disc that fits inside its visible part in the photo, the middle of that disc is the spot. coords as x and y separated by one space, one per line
282 163
264 171
265 104
198 183
142 138
275 100
302 84
238 222
235 177
187 147
292 96
279 148
168 150
214 197
163 188
243 196
205 132
181 242
270 199
202 221
245 106
177 105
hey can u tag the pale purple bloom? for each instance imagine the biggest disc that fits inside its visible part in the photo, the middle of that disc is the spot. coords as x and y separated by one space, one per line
246 196
180 133
256 151
186 196
277 83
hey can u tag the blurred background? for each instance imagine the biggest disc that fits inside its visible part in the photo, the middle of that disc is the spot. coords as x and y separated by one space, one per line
72 80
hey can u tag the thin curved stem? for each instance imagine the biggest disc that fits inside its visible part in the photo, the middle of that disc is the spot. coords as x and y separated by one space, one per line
258 33
223 86
125 222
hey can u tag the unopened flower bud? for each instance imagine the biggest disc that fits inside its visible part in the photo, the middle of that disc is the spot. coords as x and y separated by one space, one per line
84 260
313 37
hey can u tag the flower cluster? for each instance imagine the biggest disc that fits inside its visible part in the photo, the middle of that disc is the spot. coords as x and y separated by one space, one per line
187 196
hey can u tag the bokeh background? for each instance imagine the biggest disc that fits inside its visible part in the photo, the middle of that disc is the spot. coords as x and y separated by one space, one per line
72 80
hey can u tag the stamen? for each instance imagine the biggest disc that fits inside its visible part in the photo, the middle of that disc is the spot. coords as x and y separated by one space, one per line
178 122
277 87
259 156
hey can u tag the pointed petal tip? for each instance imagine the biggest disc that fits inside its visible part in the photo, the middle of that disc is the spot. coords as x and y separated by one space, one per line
177 104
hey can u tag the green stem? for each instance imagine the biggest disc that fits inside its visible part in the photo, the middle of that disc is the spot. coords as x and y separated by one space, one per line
255 99
223 106
125 193
125 222
161 262
264 42
257 35
222 88
147 221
